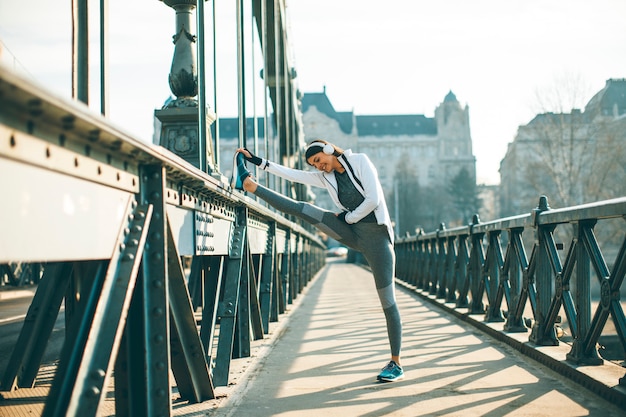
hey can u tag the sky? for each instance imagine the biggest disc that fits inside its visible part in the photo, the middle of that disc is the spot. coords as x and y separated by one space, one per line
503 59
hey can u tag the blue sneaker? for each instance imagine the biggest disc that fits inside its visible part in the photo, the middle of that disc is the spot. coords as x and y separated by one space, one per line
240 173
390 373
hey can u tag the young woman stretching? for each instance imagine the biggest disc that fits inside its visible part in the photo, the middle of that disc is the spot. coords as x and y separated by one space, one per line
363 223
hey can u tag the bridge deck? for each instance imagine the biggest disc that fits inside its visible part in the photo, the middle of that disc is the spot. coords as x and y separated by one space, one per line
334 344
323 359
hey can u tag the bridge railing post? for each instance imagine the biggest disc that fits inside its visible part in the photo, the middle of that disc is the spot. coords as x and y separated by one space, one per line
543 332
475 269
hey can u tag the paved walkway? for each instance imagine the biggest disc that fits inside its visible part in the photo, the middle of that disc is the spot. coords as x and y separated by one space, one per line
334 344
321 360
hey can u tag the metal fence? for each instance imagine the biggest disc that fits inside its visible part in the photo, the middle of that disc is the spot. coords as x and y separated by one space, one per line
161 266
484 268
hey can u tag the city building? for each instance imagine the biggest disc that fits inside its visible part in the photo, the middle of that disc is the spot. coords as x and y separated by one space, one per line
435 148
572 158
438 147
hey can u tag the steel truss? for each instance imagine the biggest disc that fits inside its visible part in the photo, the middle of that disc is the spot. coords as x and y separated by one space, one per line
136 241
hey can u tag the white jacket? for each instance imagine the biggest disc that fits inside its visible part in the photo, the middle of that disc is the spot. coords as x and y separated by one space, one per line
363 175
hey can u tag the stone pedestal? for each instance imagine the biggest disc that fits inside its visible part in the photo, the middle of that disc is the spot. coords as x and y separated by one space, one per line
179 118
179 134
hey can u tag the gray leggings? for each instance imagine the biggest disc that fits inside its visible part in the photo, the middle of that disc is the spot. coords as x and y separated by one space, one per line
371 239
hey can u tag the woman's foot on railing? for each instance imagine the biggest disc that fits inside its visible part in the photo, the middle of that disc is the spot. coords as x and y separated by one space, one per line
240 172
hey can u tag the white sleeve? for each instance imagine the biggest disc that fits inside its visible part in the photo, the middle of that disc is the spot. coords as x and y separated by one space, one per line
297 175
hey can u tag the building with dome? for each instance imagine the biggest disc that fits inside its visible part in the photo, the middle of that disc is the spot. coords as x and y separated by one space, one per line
436 148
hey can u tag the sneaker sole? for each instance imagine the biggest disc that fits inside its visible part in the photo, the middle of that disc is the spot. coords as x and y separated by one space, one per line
391 379
233 177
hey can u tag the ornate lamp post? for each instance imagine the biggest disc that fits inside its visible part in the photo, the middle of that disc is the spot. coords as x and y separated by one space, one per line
180 127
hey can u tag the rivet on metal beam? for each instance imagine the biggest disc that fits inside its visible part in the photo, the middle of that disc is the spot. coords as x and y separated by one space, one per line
68 122
98 374
94 135
93 391
35 107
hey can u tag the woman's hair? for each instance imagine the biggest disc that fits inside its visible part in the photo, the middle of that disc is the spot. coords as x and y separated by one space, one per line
317 145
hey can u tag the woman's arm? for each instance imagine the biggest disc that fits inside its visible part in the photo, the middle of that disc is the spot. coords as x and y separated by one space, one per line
291 174
304 177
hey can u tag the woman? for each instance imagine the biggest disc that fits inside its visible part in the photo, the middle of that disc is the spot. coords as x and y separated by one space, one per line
363 223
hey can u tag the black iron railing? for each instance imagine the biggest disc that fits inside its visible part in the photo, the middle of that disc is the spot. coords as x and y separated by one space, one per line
485 269
160 266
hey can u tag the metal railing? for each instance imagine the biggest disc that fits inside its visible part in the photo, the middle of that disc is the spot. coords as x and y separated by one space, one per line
161 266
484 268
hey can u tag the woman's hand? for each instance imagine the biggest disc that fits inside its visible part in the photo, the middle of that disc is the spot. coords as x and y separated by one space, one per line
250 157
245 152
342 216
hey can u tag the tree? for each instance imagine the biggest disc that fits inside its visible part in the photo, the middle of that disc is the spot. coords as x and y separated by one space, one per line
562 152
413 206
406 201
570 155
464 200
573 156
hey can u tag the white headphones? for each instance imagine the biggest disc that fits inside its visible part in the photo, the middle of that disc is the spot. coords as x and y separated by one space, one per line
327 148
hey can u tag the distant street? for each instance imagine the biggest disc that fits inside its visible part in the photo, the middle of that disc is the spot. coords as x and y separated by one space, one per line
12 314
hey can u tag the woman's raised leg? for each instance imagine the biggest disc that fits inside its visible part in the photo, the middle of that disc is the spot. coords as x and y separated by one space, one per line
324 220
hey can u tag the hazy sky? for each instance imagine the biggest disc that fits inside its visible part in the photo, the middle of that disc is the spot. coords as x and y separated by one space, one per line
373 57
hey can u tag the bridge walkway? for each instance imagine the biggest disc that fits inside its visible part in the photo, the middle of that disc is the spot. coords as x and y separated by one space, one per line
334 343
323 358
